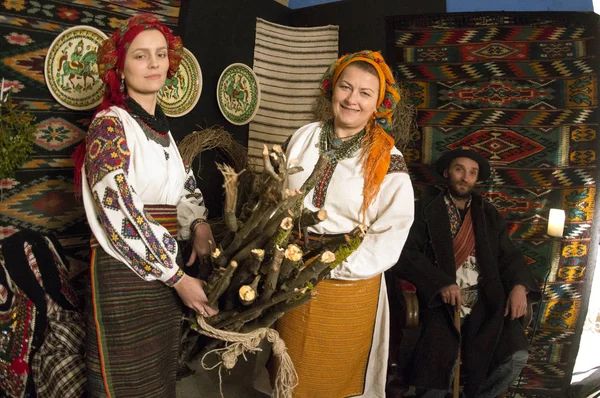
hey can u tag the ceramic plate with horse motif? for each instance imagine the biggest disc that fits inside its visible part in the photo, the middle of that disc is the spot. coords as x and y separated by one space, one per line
71 68
238 93
181 92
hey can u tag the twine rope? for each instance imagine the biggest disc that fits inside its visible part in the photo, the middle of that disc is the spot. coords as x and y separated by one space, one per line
240 343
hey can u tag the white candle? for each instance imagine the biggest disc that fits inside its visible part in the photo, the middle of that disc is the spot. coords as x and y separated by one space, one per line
556 223
2 91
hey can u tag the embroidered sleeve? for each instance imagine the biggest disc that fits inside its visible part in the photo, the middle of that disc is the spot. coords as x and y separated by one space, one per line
143 244
397 165
106 149
191 207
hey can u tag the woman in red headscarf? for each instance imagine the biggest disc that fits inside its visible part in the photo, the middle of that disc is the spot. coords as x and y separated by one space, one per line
338 341
139 197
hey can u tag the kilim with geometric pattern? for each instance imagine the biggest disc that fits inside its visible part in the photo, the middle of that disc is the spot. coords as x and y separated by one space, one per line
40 196
522 89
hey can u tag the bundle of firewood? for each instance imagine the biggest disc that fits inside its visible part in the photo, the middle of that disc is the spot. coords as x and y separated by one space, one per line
266 265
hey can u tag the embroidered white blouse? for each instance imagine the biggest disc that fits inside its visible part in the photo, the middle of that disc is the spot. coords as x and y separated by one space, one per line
124 170
389 217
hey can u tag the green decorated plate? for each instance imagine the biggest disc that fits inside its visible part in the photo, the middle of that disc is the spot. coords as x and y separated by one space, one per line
182 92
71 68
238 94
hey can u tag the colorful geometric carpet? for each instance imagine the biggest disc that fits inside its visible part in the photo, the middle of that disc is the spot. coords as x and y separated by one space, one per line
40 196
289 63
523 90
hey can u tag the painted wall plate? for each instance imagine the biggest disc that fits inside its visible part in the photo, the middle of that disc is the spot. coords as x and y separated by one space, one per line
238 93
71 68
182 92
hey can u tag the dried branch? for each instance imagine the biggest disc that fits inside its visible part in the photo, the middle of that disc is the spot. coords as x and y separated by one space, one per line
273 275
231 194
255 310
310 218
277 311
292 260
222 285
282 235
268 167
311 272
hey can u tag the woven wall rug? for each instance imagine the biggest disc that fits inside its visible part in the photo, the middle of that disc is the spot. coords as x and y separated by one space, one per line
238 94
522 89
289 63
182 91
71 69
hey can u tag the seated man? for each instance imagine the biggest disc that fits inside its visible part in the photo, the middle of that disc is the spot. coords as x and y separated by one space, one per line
459 256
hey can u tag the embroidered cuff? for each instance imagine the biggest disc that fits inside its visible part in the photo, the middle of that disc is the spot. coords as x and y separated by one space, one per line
195 223
175 278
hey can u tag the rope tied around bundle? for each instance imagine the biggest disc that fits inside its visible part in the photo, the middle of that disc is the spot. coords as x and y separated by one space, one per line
240 343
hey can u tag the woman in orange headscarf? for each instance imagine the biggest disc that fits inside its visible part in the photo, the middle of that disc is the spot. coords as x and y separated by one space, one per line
138 198
338 341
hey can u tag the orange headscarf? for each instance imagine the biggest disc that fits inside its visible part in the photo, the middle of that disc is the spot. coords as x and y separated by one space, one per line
378 142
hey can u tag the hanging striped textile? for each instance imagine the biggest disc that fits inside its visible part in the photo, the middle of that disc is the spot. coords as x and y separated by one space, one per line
289 63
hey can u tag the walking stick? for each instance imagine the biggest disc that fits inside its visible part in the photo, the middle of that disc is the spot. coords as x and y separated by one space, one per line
456 387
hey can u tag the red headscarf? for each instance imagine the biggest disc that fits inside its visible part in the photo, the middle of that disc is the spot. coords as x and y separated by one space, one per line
111 55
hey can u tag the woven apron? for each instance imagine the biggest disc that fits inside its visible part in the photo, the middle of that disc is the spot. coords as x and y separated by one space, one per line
133 326
329 338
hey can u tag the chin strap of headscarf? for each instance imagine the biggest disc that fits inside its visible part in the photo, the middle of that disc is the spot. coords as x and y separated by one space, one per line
378 141
111 60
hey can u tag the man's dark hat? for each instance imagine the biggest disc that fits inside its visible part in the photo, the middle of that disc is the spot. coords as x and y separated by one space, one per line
444 161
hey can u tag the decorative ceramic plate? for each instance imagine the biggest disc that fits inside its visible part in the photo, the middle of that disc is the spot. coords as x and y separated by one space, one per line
181 92
71 68
238 94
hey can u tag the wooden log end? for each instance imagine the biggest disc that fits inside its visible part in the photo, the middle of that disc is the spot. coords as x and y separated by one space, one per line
287 224
322 214
327 257
293 252
247 294
259 254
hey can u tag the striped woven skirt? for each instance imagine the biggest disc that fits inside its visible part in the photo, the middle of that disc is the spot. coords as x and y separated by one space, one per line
133 330
329 338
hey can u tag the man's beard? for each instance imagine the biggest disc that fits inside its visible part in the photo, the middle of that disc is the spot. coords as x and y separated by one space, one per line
459 194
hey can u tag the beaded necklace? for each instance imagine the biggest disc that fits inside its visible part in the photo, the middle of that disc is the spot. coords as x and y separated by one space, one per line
336 148
155 127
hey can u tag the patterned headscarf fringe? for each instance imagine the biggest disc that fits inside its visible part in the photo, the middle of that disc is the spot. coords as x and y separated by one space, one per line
378 142
376 157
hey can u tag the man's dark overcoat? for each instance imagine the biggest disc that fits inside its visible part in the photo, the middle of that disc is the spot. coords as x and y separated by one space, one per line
427 261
